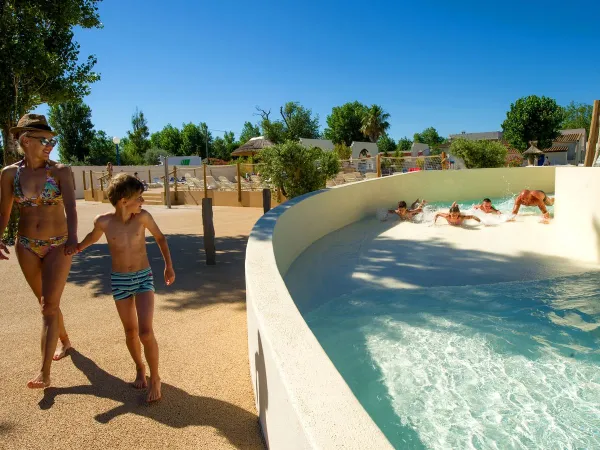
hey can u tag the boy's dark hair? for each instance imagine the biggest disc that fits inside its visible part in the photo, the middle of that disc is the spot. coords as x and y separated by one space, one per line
123 186
487 200
454 208
402 204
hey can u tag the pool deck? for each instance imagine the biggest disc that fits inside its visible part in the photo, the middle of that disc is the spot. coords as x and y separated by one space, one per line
200 324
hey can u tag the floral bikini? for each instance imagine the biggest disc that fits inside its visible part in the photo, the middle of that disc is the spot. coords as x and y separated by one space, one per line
50 196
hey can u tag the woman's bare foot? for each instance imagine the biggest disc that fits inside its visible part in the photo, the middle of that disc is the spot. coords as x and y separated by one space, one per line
62 349
140 379
154 393
39 382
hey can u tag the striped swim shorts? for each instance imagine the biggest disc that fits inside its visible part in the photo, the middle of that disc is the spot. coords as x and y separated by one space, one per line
125 285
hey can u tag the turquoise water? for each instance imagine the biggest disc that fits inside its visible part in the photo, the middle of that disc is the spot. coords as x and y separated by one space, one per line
506 365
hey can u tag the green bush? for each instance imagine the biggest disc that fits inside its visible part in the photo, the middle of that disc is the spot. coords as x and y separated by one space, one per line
479 154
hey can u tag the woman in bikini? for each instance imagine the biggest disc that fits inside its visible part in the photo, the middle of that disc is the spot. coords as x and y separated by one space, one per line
454 216
47 232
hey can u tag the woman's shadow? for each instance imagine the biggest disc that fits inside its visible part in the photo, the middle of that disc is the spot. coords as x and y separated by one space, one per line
177 409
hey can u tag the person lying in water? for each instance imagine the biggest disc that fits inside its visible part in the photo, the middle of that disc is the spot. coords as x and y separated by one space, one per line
487 207
406 213
533 198
454 216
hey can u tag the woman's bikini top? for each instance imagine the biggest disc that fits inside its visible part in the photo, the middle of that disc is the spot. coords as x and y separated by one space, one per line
50 195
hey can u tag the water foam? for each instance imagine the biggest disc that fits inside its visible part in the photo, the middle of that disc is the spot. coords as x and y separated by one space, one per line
457 391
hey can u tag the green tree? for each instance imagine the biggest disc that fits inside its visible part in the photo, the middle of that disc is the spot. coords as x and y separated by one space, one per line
479 154
532 118
249 131
138 136
153 155
297 170
40 60
169 139
404 144
102 150
386 144
296 122
345 122
375 123
430 137
194 140
128 153
73 123
577 115
223 146
342 151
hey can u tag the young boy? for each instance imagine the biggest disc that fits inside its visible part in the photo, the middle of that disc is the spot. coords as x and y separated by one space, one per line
454 216
487 207
408 214
132 280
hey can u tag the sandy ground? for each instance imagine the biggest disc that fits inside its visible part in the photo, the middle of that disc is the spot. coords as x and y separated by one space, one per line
200 324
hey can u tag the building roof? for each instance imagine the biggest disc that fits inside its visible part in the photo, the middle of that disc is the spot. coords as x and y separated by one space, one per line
483 136
253 146
325 144
571 137
556 148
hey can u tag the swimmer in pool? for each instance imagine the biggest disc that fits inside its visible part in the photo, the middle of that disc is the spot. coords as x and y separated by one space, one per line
408 214
454 216
533 198
487 207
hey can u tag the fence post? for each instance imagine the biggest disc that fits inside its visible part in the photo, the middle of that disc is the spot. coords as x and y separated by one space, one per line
102 186
266 200
593 135
205 191
149 177
167 191
209 231
175 176
239 183
378 165
84 185
92 183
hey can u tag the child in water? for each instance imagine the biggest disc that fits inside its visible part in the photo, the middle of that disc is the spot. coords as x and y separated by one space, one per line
405 213
454 216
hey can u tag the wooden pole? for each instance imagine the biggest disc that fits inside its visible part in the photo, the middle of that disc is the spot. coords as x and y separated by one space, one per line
593 137
194 173
205 191
239 183
209 231
167 191
102 185
378 165
92 182
175 176
266 200
149 177
84 186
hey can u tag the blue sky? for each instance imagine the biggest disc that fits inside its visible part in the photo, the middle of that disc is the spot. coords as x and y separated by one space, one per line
454 65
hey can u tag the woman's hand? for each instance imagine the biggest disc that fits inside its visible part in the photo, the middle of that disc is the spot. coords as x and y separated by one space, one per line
3 250
71 247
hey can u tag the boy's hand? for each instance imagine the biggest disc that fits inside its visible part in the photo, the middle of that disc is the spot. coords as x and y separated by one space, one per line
71 247
169 276
3 250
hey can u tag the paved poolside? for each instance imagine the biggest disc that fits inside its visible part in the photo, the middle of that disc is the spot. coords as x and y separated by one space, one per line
200 324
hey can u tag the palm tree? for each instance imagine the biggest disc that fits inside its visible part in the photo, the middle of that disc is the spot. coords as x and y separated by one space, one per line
375 123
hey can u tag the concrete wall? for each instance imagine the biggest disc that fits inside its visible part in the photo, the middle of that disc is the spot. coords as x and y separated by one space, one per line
358 147
577 212
303 402
557 158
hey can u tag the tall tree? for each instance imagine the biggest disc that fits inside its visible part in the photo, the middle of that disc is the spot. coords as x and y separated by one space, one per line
296 122
249 131
345 122
139 134
386 144
532 118
577 115
404 144
223 146
430 137
40 59
73 123
375 123
168 139
102 150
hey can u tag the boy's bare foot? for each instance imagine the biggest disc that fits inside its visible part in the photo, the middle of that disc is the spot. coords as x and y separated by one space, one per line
39 382
62 349
140 379
154 393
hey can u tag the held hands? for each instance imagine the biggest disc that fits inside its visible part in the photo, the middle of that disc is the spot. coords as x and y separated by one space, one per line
3 250
71 247
169 276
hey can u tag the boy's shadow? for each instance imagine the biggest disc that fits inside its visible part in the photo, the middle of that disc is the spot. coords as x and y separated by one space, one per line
177 408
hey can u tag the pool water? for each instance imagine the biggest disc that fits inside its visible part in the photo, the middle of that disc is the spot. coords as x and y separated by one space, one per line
506 365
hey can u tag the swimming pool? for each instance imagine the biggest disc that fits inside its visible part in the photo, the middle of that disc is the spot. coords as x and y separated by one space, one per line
502 365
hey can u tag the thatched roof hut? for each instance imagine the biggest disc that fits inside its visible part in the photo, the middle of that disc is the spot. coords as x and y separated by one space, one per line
252 147
533 150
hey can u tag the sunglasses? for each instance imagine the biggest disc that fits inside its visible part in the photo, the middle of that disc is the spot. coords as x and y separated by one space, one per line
45 141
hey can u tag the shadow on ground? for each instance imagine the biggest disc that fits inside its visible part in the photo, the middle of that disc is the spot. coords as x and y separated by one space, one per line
177 409
196 285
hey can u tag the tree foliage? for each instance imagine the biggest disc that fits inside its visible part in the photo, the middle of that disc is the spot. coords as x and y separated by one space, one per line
577 115
296 122
429 136
73 123
342 151
386 144
40 60
345 122
153 155
102 150
248 132
532 118
138 137
297 170
196 139
404 144
223 146
479 154
168 139
375 123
